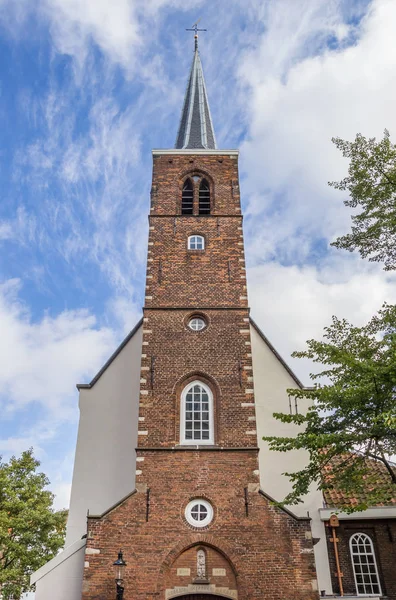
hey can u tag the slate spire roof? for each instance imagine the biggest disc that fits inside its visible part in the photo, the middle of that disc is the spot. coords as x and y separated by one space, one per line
196 127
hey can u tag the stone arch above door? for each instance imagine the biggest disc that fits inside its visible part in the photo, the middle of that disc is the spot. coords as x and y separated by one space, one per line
201 570
201 597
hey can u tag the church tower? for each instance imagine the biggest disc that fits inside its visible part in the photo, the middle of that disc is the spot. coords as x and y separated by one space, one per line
197 525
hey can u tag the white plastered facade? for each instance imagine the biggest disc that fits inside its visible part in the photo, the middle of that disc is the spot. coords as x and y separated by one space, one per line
105 466
271 380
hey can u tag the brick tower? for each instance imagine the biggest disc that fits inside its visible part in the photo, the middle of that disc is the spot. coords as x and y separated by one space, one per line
197 525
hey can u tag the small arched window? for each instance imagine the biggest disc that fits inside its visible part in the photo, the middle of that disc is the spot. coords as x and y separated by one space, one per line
364 565
187 198
196 414
204 198
196 242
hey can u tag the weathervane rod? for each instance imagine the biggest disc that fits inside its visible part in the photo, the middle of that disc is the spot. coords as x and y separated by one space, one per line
196 29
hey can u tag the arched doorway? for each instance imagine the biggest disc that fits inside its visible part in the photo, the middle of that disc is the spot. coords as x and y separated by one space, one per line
200 597
200 572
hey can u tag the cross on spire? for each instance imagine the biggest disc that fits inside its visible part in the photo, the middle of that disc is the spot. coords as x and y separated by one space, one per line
196 29
196 127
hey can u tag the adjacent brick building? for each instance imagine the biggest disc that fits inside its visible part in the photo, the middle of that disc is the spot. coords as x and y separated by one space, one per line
365 541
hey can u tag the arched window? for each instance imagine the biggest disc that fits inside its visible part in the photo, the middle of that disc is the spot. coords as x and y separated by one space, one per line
196 414
196 242
364 565
204 198
187 198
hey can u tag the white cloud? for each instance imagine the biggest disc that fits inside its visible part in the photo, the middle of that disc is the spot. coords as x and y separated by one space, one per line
62 495
126 313
97 214
296 103
119 29
5 231
40 362
292 304
300 95
21 228
113 26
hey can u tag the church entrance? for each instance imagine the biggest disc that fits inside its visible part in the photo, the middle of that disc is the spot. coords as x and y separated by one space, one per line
200 597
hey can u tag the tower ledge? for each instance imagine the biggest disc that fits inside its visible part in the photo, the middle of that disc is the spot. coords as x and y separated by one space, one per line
199 151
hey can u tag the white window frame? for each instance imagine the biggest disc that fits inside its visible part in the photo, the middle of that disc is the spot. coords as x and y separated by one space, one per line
192 442
193 239
209 517
197 317
370 553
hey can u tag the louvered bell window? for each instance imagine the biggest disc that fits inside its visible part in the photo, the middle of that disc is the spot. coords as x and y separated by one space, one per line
204 198
187 198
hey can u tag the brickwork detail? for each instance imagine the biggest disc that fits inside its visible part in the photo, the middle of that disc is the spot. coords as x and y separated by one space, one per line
176 355
254 551
267 552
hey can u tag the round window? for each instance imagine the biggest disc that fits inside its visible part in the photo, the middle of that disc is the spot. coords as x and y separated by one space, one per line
199 513
197 323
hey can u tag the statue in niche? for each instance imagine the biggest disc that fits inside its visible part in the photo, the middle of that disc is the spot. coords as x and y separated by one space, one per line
201 564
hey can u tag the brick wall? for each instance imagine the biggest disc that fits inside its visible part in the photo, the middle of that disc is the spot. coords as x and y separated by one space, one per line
219 355
382 533
219 571
169 173
264 552
181 282
179 277
269 552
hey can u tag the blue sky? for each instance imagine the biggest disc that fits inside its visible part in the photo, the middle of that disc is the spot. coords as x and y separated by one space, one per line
87 89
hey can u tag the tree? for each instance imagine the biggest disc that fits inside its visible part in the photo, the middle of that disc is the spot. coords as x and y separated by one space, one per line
371 183
352 413
31 532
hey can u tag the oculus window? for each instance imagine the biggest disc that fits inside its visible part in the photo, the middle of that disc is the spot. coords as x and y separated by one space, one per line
197 323
199 513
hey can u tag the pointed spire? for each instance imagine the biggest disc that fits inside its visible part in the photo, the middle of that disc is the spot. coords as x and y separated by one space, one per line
196 127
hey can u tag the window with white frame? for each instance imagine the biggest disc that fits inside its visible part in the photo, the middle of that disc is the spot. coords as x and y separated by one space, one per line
199 513
196 242
364 565
197 323
196 414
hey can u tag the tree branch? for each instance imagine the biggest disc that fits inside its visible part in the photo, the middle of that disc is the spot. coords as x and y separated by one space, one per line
382 459
390 181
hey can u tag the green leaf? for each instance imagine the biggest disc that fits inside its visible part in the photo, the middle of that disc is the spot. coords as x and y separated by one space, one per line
349 427
31 532
371 184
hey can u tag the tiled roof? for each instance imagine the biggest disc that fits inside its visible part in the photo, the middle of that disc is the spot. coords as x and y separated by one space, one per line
196 128
377 477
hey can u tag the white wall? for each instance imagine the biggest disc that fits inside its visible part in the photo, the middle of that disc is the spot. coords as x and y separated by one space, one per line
61 578
271 380
105 466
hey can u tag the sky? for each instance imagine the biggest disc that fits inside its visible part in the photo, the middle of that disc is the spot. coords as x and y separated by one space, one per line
87 89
